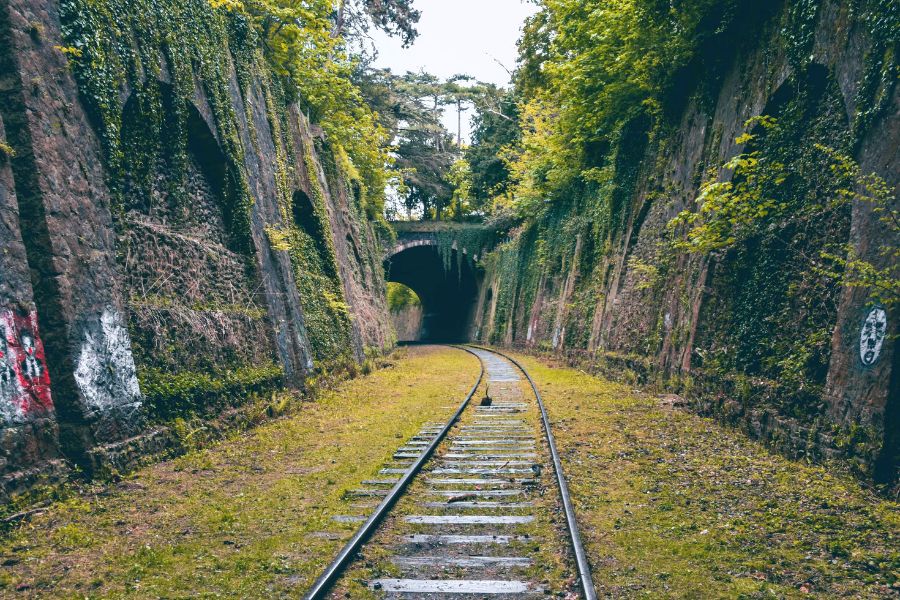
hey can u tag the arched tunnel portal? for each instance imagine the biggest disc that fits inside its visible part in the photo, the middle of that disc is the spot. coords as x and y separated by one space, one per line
448 292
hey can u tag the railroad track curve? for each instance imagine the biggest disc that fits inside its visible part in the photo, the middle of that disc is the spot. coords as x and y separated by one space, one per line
470 508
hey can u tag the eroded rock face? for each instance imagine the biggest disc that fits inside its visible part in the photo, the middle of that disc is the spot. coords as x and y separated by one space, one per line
28 428
133 287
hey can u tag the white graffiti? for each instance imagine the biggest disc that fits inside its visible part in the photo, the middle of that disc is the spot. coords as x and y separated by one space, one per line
106 374
31 368
10 410
871 338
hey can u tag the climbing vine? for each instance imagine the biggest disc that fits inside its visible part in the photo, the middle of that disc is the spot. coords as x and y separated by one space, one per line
326 312
119 49
459 241
598 82
780 210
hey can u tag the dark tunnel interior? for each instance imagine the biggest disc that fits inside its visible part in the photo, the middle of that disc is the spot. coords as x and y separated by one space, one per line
448 296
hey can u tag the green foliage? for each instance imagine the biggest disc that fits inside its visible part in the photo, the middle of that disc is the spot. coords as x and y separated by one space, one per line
782 210
460 179
426 178
645 274
882 282
171 395
589 68
409 107
354 18
881 19
401 297
494 127
6 150
304 47
733 211
115 45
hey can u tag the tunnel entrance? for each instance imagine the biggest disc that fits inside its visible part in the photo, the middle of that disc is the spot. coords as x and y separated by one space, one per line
447 295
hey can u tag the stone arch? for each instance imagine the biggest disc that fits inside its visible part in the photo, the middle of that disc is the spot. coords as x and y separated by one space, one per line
403 246
448 296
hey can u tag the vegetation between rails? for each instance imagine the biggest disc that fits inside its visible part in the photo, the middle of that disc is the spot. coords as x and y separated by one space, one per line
544 541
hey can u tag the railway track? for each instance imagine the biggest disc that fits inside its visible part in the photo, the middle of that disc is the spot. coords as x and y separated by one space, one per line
475 507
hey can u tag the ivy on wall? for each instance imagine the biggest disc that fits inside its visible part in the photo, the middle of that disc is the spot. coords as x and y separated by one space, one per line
325 310
464 241
596 122
118 48
152 60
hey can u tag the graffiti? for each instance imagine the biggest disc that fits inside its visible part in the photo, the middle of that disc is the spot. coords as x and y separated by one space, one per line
106 374
31 367
871 338
24 380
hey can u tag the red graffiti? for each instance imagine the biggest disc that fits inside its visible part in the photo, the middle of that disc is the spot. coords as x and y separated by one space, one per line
24 380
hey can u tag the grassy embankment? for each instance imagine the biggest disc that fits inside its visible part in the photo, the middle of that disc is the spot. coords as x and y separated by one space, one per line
247 518
674 505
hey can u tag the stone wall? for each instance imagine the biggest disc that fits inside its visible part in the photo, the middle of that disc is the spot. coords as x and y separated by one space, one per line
407 323
626 303
145 278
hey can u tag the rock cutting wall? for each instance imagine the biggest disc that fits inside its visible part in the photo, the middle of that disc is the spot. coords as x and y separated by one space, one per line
174 238
717 327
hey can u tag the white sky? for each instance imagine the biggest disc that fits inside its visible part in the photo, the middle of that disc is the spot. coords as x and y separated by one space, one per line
460 36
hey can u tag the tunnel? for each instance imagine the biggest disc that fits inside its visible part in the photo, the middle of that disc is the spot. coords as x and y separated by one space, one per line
448 295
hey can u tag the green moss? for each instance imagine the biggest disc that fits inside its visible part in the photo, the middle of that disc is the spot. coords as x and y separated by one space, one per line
326 312
169 395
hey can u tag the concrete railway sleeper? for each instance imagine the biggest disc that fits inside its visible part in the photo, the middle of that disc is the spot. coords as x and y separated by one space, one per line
489 517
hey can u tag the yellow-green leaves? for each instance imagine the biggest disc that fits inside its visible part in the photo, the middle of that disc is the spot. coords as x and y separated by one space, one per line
300 46
729 211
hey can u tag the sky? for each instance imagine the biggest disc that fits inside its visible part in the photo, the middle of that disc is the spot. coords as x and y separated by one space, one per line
474 37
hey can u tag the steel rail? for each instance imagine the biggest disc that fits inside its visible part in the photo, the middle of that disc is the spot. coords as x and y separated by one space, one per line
584 569
346 555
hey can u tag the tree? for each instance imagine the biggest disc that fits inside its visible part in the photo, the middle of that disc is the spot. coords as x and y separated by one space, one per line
409 108
460 179
353 19
495 126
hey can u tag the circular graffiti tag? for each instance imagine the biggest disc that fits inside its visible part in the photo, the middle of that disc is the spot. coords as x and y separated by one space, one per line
872 336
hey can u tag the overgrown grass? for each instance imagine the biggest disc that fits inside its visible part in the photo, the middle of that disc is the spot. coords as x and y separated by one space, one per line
244 518
674 505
